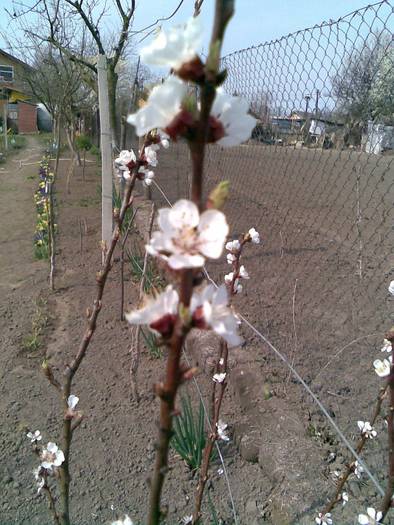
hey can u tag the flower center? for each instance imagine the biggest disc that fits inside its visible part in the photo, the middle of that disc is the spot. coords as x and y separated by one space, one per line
187 240
49 457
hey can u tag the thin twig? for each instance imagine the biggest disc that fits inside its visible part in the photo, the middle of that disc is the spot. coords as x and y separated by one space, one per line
123 243
93 314
80 236
134 350
173 378
51 503
359 447
51 235
217 398
388 497
294 350
221 367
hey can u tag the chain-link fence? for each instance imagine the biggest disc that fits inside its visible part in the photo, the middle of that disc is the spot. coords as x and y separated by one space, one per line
317 180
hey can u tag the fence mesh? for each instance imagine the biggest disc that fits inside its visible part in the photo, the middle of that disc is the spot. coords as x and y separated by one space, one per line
316 179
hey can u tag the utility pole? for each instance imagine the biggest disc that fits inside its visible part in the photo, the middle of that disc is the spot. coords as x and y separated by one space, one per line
106 152
5 115
307 99
317 103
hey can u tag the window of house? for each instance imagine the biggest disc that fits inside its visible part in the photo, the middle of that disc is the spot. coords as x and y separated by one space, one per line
6 73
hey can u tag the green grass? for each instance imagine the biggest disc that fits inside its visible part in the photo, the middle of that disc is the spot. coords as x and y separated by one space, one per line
136 261
15 143
86 202
41 251
189 433
32 342
150 342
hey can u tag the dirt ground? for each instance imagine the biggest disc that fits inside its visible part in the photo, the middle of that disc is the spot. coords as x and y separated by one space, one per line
113 450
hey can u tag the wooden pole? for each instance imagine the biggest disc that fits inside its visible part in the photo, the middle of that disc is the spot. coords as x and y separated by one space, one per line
5 115
106 152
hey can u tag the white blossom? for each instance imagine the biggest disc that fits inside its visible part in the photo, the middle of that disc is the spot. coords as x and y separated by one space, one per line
366 428
391 288
237 286
382 368
220 377
358 470
211 305
186 237
149 175
228 278
162 106
187 519
231 258
72 401
220 471
151 155
164 140
125 521
372 517
163 306
324 519
221 428
124 158
39 478
232 112
51 456
243 273
34 436
254 235
121 162
345 498
176 46
386 346
233 246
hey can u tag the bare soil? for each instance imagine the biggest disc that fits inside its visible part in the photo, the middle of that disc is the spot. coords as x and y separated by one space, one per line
113 450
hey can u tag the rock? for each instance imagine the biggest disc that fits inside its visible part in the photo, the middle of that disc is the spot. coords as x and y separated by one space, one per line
251 507
249 447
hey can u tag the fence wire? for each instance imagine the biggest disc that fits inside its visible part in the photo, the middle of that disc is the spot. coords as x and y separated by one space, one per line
316 179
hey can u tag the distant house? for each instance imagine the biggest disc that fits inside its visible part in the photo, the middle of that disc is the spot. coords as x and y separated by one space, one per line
301 123
16 100
379 138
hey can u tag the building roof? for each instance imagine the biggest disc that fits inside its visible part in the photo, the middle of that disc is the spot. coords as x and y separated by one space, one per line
11 57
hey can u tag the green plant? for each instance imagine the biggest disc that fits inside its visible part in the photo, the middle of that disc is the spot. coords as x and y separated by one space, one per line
189 433
94 150
117 204
83 142
32 341
136 260
17 142
151 344
212 511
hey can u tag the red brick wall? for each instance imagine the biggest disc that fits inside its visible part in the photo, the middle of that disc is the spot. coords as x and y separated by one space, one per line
27 118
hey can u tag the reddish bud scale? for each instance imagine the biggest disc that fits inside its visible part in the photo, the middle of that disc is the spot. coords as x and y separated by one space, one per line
181 124
216 129
193 71
131 165
164 325
198 318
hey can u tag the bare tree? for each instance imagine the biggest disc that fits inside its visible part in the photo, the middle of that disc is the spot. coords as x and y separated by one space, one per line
75 28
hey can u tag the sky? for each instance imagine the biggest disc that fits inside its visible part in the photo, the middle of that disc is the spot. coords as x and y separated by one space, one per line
255 21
